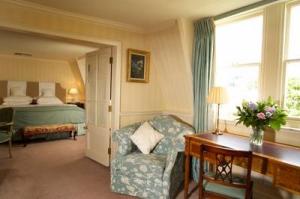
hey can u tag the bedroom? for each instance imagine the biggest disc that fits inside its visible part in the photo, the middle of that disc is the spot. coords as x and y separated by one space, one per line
32 67
169 37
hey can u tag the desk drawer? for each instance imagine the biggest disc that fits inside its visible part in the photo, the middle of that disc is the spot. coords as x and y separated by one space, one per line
288 178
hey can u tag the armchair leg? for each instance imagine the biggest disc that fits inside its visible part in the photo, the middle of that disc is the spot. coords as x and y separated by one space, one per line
9 148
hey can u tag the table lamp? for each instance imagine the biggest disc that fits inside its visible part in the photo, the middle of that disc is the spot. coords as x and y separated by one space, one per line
218 95
73 92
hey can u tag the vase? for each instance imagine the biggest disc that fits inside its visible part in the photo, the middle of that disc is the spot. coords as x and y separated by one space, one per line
256 136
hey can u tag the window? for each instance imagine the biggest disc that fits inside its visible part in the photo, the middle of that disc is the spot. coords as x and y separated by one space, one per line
238 60
292 63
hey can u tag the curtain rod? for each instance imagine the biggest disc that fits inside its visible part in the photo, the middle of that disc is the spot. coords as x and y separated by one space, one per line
243 9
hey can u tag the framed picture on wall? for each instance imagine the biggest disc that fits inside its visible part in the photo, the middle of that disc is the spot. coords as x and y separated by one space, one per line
138 66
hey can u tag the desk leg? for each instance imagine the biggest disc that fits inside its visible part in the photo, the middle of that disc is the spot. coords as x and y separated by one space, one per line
187 176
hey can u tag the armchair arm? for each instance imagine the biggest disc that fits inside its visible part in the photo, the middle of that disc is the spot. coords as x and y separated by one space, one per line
4 124
122 137
174 171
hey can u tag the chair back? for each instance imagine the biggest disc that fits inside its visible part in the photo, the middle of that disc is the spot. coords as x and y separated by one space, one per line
172 128
223 159
6 115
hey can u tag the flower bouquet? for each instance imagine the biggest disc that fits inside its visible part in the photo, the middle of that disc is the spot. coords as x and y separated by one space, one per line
260 115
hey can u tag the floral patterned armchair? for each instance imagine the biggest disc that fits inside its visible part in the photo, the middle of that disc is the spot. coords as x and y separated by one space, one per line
159 174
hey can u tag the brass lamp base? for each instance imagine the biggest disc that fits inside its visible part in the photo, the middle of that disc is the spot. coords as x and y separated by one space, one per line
217 132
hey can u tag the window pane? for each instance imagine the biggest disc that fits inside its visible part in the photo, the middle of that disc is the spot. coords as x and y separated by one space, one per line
242 83
239 42
292 100
238 57
294 32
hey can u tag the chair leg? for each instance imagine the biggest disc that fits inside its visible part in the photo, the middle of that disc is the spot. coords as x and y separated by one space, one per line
9 148
74 135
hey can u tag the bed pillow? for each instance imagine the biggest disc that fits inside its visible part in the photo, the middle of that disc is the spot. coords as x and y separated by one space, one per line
146 138
49 100
48 93
17 100
17 91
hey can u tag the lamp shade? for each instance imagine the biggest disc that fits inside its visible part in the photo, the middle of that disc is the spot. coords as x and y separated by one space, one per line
218 95
73 91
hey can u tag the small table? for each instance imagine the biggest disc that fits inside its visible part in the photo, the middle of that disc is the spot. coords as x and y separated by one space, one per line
282 162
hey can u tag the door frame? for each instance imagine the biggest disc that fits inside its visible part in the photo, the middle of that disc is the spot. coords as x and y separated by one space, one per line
117 62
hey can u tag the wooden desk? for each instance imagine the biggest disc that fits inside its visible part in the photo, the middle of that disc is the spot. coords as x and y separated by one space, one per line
280 161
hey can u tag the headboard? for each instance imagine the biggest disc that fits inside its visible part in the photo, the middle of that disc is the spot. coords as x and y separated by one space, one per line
33 90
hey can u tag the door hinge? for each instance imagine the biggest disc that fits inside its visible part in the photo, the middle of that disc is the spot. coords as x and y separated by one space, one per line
109 151
111 59
109 108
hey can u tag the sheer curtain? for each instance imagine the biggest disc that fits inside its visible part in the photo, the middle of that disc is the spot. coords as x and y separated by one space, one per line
204 41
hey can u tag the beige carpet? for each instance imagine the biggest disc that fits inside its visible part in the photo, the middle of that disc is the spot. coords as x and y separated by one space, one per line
59 170
53 170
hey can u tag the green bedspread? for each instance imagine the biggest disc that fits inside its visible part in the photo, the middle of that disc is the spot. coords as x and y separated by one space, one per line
42 115
39 115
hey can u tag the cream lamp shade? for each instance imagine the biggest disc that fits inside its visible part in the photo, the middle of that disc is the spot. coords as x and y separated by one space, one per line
218 95
73 91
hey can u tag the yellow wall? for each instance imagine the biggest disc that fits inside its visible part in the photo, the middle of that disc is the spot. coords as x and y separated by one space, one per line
136 98
173 65
33 69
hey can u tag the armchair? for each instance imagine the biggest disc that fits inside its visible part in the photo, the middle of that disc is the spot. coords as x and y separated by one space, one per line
159 174
6 131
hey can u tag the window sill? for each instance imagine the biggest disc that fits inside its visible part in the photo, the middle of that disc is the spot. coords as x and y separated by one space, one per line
287 128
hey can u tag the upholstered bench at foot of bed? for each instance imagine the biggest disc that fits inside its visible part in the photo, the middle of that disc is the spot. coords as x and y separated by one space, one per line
30 131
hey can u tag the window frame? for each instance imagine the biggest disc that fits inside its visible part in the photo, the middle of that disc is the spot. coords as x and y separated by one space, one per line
285 60
237 18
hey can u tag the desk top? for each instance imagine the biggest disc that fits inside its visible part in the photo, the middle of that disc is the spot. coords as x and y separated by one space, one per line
278 152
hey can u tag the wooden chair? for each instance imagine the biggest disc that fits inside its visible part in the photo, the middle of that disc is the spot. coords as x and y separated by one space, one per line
6 130
221 183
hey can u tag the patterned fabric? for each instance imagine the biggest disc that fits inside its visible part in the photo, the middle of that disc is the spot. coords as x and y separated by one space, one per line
46 129
122 136
173 130
158 175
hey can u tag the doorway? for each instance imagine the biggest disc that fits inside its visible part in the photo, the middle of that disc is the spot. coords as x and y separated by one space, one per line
98 136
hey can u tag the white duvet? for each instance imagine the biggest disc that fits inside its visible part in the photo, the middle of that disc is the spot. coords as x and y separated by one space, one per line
49 100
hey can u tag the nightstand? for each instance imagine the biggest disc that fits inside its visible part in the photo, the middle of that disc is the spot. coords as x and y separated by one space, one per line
79 104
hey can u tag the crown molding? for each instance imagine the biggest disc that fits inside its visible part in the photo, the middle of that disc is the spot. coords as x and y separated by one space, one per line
97 20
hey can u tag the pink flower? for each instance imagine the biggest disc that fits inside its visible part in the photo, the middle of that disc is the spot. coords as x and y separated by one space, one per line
270 109
261 116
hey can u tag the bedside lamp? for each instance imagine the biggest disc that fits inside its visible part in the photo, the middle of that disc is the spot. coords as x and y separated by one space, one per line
73 92
218 95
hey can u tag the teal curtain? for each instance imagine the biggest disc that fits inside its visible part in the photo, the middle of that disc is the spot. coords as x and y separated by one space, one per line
204 39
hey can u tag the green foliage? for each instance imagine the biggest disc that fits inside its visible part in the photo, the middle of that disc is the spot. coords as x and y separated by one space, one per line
293 97
261 114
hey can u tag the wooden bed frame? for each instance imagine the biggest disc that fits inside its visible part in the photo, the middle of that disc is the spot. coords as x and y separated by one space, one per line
33 90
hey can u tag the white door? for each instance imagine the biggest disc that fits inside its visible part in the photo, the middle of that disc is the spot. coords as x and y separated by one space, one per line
98 99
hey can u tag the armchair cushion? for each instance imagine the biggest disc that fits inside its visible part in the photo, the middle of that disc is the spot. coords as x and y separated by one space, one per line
231 192
142 166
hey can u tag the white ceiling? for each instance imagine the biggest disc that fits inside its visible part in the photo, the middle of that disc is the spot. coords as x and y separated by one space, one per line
42 47
145 13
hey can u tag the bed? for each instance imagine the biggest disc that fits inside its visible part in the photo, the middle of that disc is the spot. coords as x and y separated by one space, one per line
42 114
